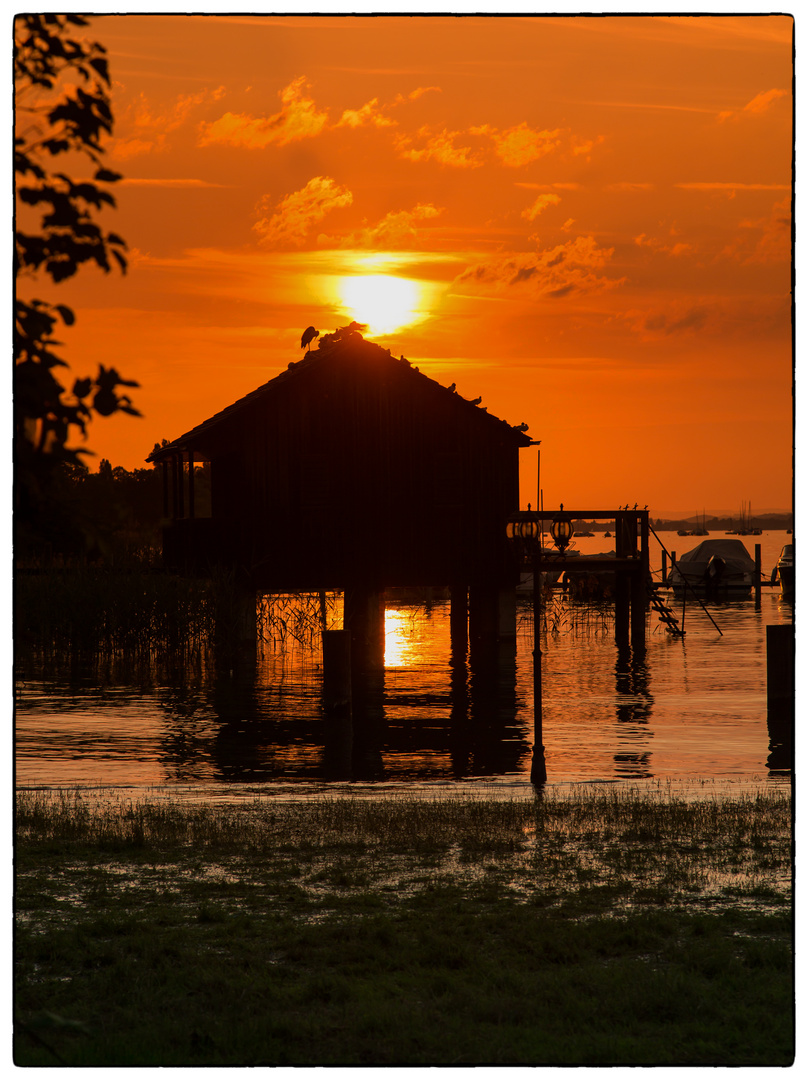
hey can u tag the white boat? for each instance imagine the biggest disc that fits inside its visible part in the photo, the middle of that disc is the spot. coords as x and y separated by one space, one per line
722 568
784 572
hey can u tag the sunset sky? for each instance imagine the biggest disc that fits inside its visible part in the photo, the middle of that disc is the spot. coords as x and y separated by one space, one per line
587 221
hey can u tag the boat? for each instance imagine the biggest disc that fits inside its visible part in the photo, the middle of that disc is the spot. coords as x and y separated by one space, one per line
784 572
701 530
745 523
715 568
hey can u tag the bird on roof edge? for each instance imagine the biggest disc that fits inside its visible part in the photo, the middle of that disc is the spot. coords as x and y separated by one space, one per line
309 334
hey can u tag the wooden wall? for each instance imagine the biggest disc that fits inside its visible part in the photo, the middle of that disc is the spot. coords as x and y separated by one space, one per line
357 468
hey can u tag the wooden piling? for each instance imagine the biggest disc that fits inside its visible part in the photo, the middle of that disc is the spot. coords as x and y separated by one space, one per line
780 690
664 567
459 619
337 672
622 584
757 576
639 598
780 666
363 616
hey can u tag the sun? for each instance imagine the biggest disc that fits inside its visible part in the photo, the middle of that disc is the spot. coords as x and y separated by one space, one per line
384 302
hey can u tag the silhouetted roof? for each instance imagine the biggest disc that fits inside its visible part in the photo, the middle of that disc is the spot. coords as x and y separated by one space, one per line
310 363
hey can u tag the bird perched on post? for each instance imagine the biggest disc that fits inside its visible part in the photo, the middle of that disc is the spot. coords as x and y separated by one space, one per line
309 334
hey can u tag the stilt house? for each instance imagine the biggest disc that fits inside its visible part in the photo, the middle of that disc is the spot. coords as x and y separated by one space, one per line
351 467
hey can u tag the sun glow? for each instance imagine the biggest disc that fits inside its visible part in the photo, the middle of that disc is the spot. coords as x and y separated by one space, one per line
384 302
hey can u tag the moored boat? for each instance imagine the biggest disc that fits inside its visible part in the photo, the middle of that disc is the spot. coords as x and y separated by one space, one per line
784 572
720 568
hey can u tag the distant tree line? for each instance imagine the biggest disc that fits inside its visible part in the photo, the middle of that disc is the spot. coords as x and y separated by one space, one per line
103 516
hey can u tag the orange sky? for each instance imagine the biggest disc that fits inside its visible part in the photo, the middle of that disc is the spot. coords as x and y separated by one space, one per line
594 214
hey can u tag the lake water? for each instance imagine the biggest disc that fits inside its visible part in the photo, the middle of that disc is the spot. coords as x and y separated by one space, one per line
691 710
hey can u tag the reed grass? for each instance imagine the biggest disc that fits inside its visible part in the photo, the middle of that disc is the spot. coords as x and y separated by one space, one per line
588 926
136 612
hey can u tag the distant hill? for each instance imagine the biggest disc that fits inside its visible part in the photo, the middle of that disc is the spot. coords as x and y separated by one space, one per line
685 515
766 519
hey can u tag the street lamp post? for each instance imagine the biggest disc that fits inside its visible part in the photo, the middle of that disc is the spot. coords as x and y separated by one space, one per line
529 532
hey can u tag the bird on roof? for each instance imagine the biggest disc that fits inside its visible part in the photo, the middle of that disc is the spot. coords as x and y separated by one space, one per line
309 334
523 427
452 388
477 400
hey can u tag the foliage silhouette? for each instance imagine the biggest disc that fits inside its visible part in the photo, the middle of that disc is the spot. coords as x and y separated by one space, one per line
55 234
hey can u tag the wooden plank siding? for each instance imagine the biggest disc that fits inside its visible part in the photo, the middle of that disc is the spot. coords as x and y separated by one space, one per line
354 467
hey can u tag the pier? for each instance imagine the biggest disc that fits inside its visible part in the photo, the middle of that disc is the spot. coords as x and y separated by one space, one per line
630 563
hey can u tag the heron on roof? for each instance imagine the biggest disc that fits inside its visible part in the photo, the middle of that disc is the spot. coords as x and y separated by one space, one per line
309 334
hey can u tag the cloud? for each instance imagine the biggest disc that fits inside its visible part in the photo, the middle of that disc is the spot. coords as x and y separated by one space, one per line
726 185
759 104
370 114
297 119
763 240
554 273
147 126
396 230
630 186
541 203
652 242
418 92
164 182
296 214
521 144
694 318
439 147
586 147
559 185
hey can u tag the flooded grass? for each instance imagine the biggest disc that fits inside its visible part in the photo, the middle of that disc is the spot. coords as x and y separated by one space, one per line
586 926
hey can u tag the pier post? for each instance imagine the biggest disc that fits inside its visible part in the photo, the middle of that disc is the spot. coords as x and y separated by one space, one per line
492 613
363 617
664 567
639 595
337 672
622 584
780 689
757 577
236 626
337 702
639 586
459 619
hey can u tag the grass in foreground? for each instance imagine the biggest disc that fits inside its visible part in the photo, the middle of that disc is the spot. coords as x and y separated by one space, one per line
600 927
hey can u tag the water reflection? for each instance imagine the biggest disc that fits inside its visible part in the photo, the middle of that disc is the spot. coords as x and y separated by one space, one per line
634 702
430 711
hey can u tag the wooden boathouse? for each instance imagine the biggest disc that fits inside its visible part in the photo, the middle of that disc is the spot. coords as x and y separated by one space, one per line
351 470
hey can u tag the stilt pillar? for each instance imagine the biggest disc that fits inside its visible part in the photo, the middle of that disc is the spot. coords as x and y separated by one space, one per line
639 599
459 620
236 626
337 672
492 613
337 702
363 617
